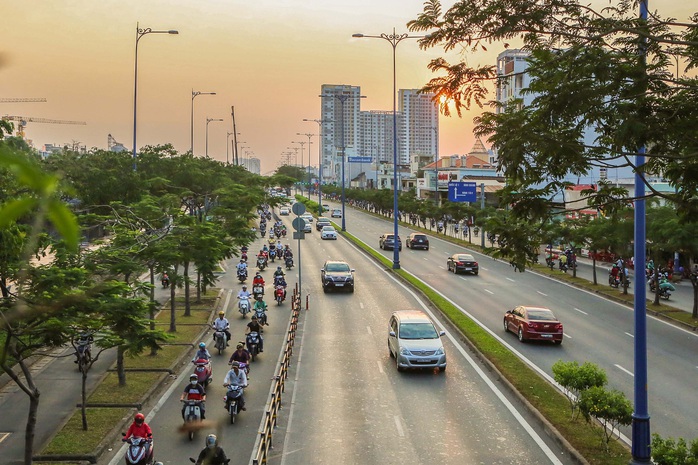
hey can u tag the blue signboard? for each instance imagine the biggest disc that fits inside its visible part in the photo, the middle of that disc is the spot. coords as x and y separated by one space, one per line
359 159
462 192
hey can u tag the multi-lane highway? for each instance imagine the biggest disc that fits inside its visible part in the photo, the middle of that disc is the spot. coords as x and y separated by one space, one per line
596 329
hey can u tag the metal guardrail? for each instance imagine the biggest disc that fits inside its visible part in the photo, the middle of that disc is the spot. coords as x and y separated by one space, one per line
264 443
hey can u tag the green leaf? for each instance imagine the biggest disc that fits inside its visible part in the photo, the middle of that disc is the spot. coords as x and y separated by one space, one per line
65 222
14 209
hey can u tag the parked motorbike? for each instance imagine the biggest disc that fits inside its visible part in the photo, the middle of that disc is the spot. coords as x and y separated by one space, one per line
231 401
192 414
289 263
139 451
244 307
252 342
220 340
204 370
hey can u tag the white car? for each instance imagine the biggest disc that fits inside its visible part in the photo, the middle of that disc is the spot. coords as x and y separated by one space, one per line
307 227
284 211
336 213
328 232
307 217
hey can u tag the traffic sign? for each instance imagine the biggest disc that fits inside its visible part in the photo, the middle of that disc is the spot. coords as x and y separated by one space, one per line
298 224
298 208
359 159
299 235
462 192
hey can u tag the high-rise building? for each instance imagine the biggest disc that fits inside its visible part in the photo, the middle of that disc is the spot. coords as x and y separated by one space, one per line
340 106
419 132
253 165
376 135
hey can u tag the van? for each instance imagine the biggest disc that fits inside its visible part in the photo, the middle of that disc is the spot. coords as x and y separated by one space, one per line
414 341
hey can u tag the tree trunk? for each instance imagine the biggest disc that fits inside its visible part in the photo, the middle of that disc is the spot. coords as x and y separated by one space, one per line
198 286
656 284
152 297
121 372
593 266
694 282
187 304
173 315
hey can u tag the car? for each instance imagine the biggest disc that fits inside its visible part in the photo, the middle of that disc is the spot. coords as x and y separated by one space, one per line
387 241
417 241
414 341
322 222
338 275
284 211
308 217
533 323
307 227
325 207
462 262
336 213
328 232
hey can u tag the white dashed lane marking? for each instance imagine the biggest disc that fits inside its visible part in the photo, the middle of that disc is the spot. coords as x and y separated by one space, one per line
488 291
628 334
580 311
509 279
543 294
623 369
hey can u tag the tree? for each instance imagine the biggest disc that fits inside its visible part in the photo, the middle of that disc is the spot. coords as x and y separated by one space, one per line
674 452
587 76
575 379
610 408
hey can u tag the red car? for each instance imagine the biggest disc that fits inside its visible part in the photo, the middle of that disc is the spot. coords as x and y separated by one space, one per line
533 323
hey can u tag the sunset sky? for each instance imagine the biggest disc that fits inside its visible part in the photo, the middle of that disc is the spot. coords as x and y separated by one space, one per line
268 58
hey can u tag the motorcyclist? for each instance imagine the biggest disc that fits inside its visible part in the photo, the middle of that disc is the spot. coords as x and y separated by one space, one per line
212 454
278 272
260 304
242 267
280 280
236 377
244 293
202 353
221 324
240 355
194 391
256 326
258 280
287 252
139 428
265 249
165 279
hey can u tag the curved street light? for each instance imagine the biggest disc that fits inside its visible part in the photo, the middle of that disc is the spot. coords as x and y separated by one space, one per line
195 94
319 158
140 32
208 120
393 39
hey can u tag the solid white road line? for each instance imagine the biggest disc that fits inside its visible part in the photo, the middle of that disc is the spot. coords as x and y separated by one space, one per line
398 425
488 291
581 311
623 369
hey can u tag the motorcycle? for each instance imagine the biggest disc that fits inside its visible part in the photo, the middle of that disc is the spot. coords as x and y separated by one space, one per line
243 256
84 353
242 275
139 451
279 294
252 342
257 290
203 370
262 232
261 263
283 233
289 263
192 414
231 401
165 282
613 281
272 254
665 289
221 341
244 307
261 315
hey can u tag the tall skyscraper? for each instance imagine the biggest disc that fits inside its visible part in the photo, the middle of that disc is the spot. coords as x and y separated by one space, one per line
419 132
335 98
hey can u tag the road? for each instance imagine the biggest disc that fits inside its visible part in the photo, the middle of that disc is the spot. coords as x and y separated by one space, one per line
596 329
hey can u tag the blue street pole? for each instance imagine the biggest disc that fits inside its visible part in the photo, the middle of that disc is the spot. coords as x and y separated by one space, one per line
320 142
641 439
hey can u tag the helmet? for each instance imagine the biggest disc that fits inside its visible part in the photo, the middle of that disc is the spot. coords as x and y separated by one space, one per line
254 317
244 287
258 274
139 419
211 441
235 364
221 313
278 268
202 345
240 346
193 377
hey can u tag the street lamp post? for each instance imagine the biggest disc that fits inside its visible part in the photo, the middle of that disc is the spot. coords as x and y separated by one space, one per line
227 147
307 171
208 120
302 144
393 39
319 159
343 97
140 33
195 94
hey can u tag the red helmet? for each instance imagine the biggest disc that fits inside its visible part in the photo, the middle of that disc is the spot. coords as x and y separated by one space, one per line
140 418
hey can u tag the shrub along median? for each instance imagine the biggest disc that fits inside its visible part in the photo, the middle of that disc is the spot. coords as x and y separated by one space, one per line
73 440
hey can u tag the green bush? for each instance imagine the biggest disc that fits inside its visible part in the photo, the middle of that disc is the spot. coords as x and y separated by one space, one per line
611 408
575 379
670 452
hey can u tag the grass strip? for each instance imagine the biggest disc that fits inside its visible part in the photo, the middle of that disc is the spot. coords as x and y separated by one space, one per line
137 385
165 358
547 399
199 315
73 440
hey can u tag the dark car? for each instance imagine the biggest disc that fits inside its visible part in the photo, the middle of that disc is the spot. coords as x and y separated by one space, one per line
337 275
462 262
387 241
417 241
533 323
322 222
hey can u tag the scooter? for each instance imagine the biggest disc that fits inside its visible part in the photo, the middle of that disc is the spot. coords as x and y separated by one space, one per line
220 341
257 290
192 414
252 342
279 294
613 281
231 401
289 263
139 451
244 307
272 254
165 283
203 370
261 263
84 353
261 316
262 232
242 275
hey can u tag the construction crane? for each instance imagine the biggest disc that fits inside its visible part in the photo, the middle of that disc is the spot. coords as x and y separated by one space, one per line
23 120
21 100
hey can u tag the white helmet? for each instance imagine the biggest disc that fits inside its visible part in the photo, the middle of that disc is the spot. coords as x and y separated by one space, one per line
211 441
